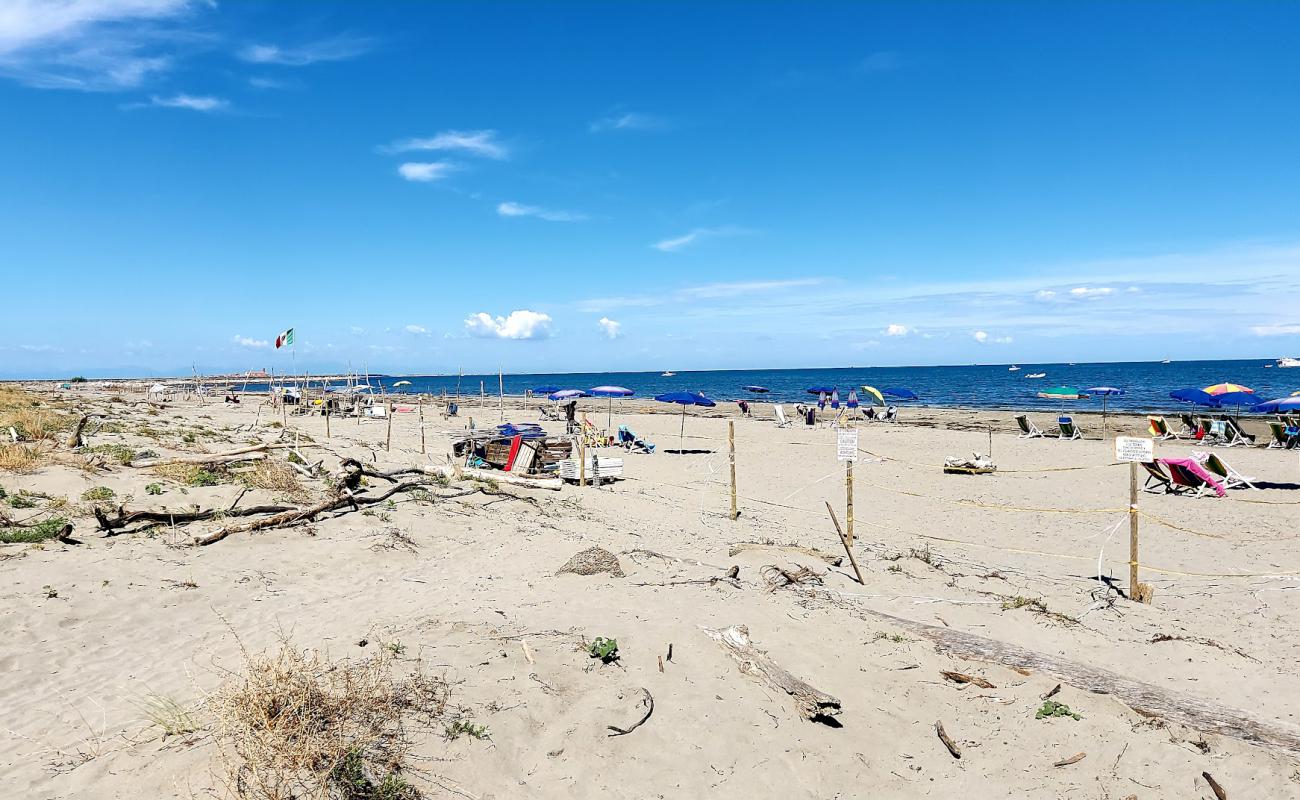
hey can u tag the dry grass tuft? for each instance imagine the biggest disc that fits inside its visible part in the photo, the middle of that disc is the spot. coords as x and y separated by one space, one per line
298 725
21 458
31 419
275 476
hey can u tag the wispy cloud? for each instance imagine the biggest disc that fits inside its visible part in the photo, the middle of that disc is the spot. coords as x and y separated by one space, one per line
698 234
250 342
609 328
188 102
707 291
880 61
896 329
521 324
627 121
510 209
417 330
88 45
1284 329
983 337
336 48
425 171
482 143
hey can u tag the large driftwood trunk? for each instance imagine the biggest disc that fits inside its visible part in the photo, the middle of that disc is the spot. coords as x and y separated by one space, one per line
249 453
1195 712
813 703
113 525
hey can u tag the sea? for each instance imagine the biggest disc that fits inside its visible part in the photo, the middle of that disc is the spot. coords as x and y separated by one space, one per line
1146 384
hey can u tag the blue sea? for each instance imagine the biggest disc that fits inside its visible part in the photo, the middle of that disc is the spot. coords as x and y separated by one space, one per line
1146 384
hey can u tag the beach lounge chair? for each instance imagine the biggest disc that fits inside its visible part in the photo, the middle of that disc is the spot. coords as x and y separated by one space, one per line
1217 466
1157 479
1233 435
1069 431
1160 429
890 415
1189 476
1189 425
1028 430
632 442
781 421
1280 439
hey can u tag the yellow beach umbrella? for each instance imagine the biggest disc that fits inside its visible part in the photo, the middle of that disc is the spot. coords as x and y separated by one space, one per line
871 390
1225 388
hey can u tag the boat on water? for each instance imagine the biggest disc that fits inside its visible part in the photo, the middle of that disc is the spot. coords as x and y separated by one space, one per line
1166 361
1288 362
667 374
1013 368
1036 375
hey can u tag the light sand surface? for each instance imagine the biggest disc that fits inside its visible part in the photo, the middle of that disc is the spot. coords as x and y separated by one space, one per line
147 614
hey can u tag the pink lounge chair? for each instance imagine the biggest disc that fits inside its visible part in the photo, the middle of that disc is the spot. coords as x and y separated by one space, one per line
1188 474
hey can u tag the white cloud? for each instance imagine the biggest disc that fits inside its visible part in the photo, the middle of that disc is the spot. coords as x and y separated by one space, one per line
610 328
1088 291
897 330
425 171
980 336
248 341
479 143
627 121
675 244
511 209
1287 329
417 330
357 330
191 102
90 45
521 324
983 338
40 348
1045 294
337 48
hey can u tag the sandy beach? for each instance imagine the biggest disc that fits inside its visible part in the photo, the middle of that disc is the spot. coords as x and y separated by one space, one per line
992 577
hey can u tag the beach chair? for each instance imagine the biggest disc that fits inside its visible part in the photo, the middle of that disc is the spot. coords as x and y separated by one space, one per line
890 415
1189 476
1160 429
1189 425
1157 479
1028 430
781 421
1069 431
632 442
1280 439
1233 435
1231 478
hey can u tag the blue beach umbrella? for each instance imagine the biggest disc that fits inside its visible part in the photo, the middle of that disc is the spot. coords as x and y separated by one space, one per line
685 399
901 393
1280 406
756 389
1195 396
566 394
1238 399
820 389
1105 392
546 389
611 392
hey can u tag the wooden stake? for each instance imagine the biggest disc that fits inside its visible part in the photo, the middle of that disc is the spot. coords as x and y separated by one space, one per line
1134 588
388 412
844 541
731 446
327 418
582 460
848 490
422 450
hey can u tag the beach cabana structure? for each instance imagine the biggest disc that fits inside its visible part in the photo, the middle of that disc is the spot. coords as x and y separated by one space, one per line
611 392
1105 392
685 399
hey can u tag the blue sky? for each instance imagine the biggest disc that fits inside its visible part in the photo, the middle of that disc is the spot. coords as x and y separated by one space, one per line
417 187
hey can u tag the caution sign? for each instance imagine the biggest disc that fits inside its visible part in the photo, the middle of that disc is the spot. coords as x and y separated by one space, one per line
846 444
1134 448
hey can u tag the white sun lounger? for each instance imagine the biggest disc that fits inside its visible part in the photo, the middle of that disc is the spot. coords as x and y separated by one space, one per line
781 421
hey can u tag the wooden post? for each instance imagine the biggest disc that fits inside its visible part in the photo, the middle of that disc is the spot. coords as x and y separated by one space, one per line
844 541
1134 590
731 446
388 412
501 393
582 460
327 418
848 490
422 450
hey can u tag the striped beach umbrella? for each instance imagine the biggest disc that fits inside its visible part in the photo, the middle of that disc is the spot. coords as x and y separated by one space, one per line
1227 388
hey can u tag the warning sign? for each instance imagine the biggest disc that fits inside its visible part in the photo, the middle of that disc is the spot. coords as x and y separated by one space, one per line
1134 448
846 445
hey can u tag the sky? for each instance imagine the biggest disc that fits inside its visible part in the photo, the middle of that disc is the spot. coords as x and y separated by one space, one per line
549 187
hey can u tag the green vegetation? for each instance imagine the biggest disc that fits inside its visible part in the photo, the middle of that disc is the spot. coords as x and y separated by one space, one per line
153 488
98 494
1051 708
119 453
464 727
166 713
40 532
351 780
20 500
604 649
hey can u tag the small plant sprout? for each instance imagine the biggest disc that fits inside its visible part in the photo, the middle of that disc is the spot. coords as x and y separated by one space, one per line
604 649
1051 708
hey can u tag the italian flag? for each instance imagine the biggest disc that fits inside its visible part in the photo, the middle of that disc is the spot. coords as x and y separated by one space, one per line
285 339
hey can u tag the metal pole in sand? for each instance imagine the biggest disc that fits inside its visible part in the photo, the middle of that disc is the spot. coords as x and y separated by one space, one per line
731 446
422 448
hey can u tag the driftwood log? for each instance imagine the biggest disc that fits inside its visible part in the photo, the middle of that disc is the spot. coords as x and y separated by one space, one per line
814 704
249 453
113 525
74 439
1197 713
